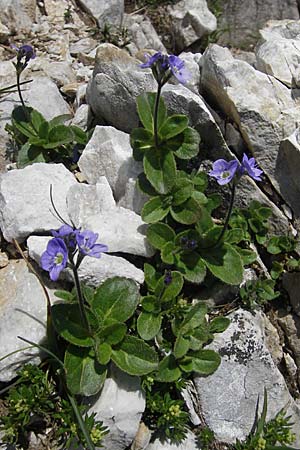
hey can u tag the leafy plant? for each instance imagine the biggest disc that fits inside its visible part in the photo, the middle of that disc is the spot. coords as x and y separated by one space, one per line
267 436
43 141
33 404
257 293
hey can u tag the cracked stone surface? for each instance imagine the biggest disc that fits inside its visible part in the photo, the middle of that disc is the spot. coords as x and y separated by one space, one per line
229 396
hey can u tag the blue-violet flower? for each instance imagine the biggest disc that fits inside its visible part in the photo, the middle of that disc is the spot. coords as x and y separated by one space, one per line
25 51
55 258
164 66
249 165
224 171
86 241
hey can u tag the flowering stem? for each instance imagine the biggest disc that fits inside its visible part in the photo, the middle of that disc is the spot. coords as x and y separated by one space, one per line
226 220
155 116
83 316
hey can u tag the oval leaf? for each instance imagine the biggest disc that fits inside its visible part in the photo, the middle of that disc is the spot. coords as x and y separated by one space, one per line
160 169
173 126
159 234
225 263
168 370
190 146
85 376
116 299
148 325
154 210
135 357
187 213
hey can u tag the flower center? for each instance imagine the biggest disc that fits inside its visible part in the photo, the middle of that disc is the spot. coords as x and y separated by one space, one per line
58 259
225 174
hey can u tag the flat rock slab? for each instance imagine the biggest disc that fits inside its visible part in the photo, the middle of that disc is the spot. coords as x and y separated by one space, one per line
190 443
229 396
25 199
23 313
103 11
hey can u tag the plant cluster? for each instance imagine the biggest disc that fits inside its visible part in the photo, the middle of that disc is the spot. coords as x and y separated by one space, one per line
33 405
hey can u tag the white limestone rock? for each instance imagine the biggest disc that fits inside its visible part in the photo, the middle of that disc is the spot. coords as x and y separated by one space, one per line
18 15
120 407
133 198
82 117
92 271
116 83
278 53
191 19
229 396
109 154
23 309
25 199
262 107
142 33
103 11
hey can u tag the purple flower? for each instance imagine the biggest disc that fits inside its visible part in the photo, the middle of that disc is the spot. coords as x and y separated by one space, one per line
224 171
86 241
249 166
164 66
64 230
25 51
178 69
55 258
168 278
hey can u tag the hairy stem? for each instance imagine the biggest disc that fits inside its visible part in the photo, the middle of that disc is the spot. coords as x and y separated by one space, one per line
83 316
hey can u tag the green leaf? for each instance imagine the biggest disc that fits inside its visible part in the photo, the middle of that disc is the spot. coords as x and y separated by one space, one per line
160 169
85 376
59 135
151 276
190 146
44 130
159 234
80 136
148 325
168 370
200 336
59 120
219 324
112 334
116 299
27 155
67 322
225 263
173 126
247 256
170 291
20 121
194 318
150 303
154 210
135 357
191 266
140 140
234 236
65 295
204 362
187 213
181 347
103 353
145 186
167 253
37 119
145 107
182 191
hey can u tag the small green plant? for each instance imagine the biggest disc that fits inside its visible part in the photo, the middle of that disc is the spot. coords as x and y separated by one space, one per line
206 438
33 405
273 435
40 140
257 293
117 35
165 411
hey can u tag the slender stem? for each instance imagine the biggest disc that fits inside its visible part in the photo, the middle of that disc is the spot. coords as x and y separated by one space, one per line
226 220
20 94
84 319
155 117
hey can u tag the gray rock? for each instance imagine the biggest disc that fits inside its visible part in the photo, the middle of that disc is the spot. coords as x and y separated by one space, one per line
190 443
287 170
18 15
82 117
84 45
192 64
290 323
278 51
263 119
109 154
4 33
60 72
291 283
229 396
191 19
23 313
133 199
117 81
104 12
92 271
120 407
25 199
142 33
241 20
121 230
180 100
